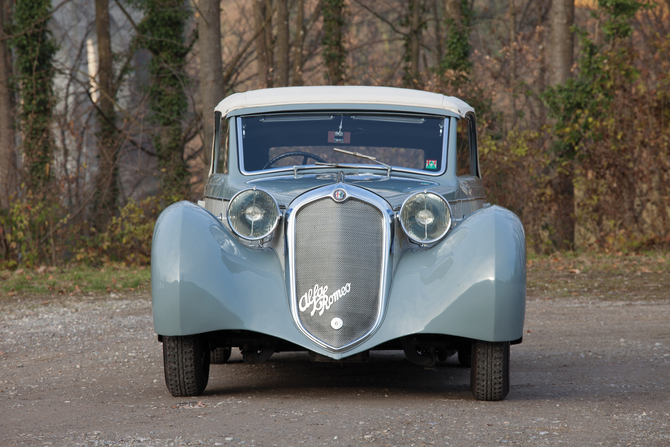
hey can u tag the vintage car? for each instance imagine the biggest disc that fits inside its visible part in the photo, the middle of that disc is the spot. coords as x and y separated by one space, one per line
337 221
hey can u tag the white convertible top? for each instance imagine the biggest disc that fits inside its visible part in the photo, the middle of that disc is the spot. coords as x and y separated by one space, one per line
341 95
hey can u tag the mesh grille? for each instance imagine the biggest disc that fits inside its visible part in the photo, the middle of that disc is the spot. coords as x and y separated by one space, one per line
338 244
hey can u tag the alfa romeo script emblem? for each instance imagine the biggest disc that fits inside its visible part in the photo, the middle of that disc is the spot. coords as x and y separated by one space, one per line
339 195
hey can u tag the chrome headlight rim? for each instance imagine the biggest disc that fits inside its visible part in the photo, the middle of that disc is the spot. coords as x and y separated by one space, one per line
274 224
430 241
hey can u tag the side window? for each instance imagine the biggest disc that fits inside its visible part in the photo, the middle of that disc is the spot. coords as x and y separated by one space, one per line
466 147
221 141
462 148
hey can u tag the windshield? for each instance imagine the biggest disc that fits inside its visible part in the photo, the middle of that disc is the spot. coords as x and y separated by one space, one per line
411 142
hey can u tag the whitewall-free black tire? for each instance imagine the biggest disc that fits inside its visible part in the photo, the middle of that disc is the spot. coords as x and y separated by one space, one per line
186 364
489 370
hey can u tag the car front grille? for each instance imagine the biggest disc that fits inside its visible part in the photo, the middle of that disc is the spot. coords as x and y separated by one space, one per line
338 265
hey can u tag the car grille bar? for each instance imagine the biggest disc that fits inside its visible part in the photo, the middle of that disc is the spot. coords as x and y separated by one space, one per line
338 254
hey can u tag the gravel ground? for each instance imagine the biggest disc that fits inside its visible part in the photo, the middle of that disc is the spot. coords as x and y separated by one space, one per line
90 373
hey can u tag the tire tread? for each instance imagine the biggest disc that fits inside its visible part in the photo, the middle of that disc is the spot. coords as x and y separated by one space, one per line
489 373
186 367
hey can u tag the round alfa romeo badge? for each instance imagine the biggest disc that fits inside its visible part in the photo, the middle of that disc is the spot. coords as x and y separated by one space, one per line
339 195
336 323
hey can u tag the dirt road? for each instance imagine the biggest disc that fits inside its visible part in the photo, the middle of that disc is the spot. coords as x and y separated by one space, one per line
90 373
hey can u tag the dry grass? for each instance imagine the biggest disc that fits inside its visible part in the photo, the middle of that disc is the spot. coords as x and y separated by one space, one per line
627 277
73 281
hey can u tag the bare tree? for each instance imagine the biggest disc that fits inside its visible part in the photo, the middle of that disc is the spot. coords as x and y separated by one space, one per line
7 154
298 42
333 40
212 89
438 23
413 42
264 44
282 53
302 26
561 45
512 63
560 60
107 189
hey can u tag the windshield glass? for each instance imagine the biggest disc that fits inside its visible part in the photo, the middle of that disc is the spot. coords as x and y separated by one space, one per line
285 140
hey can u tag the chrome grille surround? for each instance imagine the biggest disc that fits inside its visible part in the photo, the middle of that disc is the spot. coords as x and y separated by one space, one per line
319 329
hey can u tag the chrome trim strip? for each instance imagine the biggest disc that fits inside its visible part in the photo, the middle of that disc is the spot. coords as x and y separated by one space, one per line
240 157
466 200
214 198
352 192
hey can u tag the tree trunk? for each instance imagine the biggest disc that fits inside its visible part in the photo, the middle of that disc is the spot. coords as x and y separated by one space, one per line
212 87
560 63
282 53
299 43
512 64
34 56
7 153
413 44
264 57
333 44
455 64
563 186
541 78
561 44
439 52
452 9
161 31
107 190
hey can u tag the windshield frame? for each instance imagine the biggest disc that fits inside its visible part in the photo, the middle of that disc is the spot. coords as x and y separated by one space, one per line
445 141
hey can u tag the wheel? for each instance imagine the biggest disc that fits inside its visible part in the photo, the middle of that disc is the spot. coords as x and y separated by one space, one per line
489 372
186 365
465 356
306 156
219 355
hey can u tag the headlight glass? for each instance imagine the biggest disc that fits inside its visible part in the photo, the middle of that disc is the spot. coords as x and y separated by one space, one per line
253 214
425 217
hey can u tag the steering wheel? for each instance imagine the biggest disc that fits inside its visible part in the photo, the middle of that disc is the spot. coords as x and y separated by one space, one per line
306 156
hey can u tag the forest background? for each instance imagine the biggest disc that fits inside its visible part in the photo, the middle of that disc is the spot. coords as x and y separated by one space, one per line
106 107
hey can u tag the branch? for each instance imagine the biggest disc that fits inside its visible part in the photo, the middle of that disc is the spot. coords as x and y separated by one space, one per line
125 13
238 56
383 19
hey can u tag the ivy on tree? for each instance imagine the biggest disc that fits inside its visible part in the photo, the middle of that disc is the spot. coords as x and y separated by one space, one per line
161 31
34 54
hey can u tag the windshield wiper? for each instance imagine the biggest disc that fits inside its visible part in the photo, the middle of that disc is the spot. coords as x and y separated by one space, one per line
316 164
368 157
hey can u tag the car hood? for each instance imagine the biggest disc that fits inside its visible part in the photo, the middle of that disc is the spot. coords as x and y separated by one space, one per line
284 189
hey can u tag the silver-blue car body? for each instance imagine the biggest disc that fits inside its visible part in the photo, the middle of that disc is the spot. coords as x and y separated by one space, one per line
340 220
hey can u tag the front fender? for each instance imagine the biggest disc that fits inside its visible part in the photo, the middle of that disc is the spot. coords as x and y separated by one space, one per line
204 280
472 284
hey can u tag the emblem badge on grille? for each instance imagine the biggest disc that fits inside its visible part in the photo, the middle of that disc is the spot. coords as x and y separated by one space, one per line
319 300
336 323
339 195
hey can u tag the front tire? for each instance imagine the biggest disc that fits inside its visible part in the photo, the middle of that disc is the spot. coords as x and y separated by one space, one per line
489 370
186 365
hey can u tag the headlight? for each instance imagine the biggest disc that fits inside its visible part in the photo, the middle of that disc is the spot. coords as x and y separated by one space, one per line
253 214
425 217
